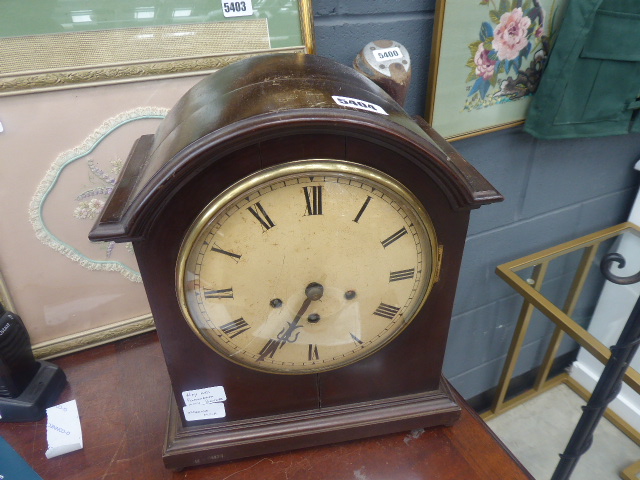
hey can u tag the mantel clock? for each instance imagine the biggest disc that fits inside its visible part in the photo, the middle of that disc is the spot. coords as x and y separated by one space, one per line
299 237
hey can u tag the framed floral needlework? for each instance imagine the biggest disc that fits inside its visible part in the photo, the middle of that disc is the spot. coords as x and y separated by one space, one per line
487 59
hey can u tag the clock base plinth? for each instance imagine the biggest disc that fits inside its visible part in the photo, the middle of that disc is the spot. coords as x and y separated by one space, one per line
187 446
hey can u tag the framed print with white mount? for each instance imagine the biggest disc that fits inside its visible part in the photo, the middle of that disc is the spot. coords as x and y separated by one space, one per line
299 237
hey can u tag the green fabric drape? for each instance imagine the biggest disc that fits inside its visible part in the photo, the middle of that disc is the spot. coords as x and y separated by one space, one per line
591 84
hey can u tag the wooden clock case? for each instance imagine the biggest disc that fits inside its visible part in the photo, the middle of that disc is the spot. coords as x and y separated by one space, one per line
254 114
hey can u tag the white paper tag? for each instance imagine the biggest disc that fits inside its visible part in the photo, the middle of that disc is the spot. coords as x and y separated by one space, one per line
64 433
1 128
386 54
204 395
359 104
204 412
240 8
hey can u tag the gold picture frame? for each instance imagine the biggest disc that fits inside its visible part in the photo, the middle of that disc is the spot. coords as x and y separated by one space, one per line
89 52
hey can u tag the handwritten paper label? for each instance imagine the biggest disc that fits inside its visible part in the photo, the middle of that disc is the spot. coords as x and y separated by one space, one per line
358 104
240 8
204 412
204 395
386 54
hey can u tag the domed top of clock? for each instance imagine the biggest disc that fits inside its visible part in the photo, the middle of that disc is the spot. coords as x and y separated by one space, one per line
265 97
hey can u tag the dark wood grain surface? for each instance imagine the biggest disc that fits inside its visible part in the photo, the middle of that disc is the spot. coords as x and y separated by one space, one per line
122 393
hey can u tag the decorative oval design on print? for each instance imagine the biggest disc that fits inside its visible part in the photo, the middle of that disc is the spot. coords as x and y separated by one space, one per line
74 190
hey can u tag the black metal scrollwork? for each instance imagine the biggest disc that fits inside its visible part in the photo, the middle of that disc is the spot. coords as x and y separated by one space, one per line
605 267
610 381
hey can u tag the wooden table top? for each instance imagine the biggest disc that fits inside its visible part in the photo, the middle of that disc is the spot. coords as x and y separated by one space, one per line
122 392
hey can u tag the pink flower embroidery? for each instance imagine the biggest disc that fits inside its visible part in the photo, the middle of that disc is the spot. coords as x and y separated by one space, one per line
510 36
484 65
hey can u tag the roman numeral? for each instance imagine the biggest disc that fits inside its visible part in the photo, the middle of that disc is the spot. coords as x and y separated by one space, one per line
313 352
402 275
399 234
224 293
261 215
270 349
235 328
362 209
386 311
355 339
235 256
313 197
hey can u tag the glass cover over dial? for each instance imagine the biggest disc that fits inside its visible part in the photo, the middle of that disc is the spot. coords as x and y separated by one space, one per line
306 266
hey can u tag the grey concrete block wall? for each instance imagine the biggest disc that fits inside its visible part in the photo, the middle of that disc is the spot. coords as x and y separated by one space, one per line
554 191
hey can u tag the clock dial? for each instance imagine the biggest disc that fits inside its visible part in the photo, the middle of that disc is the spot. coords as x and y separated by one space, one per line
306 267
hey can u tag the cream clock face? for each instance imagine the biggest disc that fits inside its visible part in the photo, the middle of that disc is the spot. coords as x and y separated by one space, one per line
306 267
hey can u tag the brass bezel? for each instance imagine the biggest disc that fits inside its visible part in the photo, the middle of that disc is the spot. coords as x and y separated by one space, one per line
307 168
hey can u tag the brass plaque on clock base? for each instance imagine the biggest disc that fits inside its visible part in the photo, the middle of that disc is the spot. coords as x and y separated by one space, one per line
187 446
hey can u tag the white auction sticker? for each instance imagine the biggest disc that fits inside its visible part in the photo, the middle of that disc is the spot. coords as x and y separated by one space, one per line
386 54
204 412
204 396
359 104
241 8
64 433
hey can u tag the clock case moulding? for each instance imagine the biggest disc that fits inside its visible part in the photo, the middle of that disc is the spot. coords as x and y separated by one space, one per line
255 114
